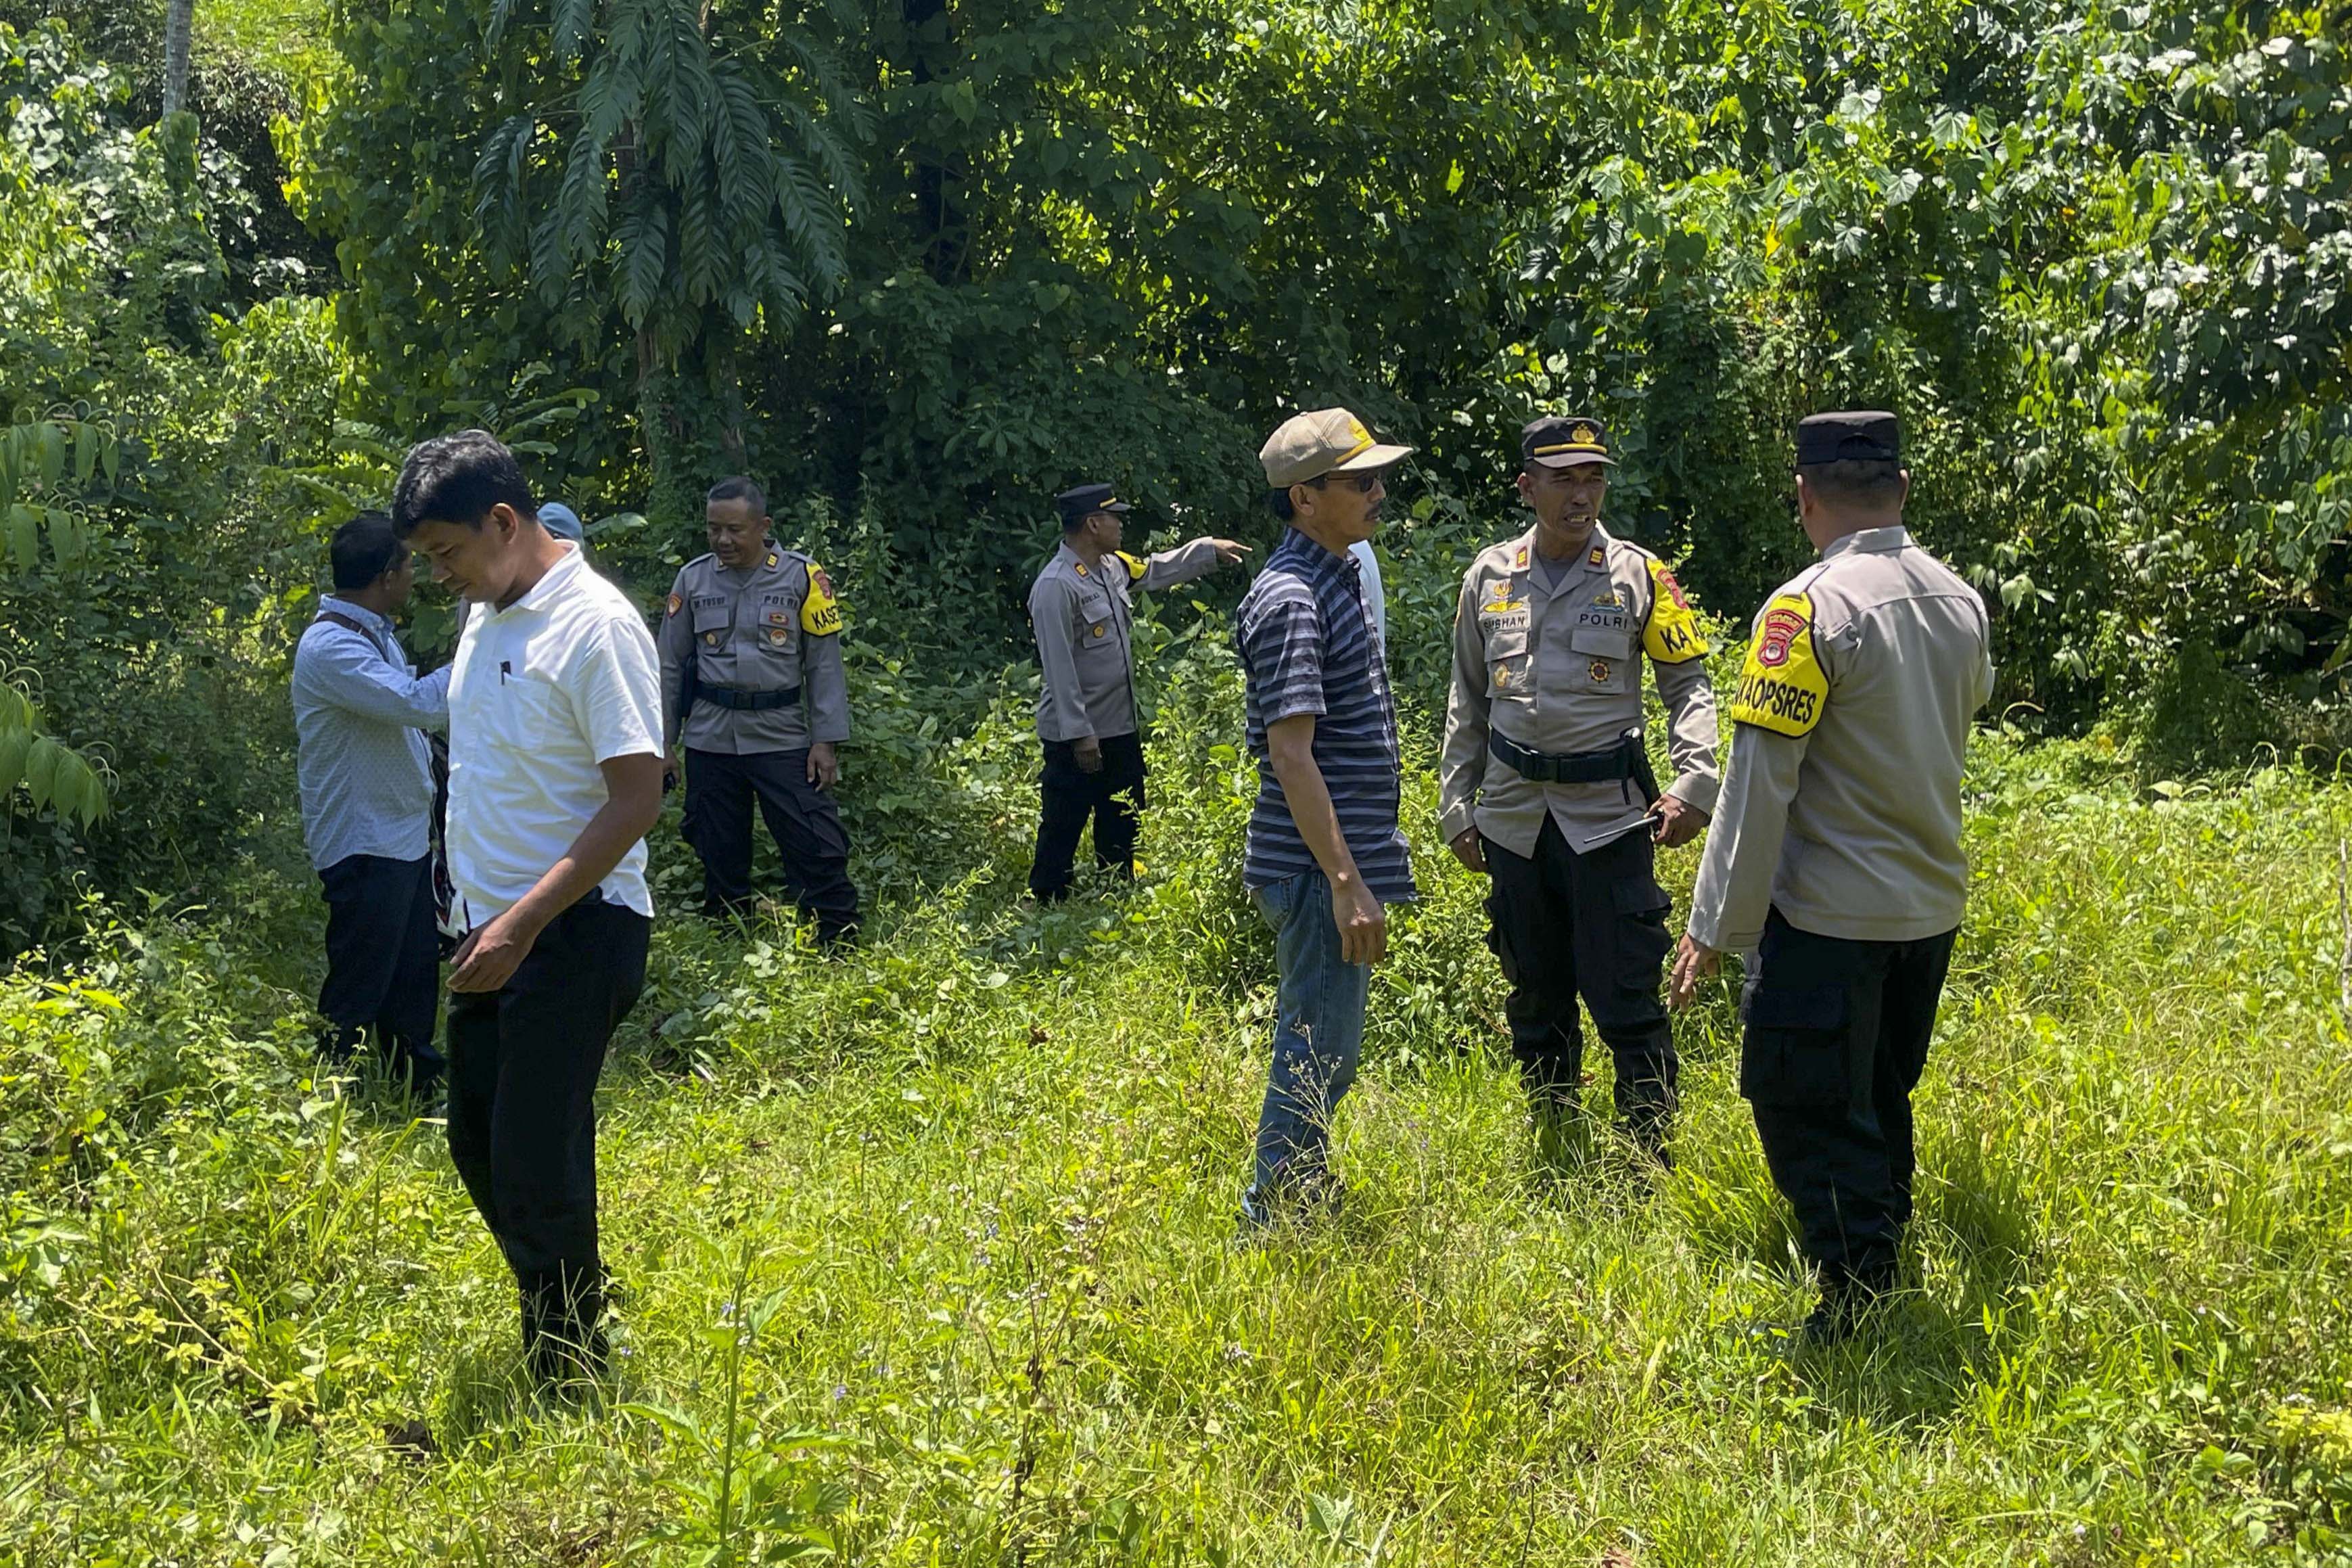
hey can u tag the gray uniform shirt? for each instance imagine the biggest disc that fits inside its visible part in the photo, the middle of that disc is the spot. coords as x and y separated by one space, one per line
1558 669
1850 729
765 629
1080 615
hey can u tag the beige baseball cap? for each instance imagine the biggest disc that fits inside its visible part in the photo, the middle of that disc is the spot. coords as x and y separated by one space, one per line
1327 441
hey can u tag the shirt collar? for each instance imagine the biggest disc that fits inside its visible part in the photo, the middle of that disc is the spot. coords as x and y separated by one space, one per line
335 603
1869 542
1305 555
557 580
1598 538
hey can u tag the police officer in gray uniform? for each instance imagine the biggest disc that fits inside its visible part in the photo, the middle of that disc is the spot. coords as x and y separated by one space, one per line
1080 612
1544 780
1837 856
752 686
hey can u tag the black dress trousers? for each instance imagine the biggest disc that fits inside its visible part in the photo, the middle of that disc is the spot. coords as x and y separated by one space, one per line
523 1063
383 962
720 788
1068 796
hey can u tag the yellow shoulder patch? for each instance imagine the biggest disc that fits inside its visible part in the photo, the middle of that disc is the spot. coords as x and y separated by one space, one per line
1672 635
1135 568
1781 686
820 611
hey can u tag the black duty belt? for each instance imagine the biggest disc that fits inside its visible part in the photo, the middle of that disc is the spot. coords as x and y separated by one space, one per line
735 697
1626 759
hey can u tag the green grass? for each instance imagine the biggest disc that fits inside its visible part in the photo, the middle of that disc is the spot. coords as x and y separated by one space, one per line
946 1228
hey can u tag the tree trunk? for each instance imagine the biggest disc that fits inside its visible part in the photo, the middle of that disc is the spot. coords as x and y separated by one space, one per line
939 206
178 24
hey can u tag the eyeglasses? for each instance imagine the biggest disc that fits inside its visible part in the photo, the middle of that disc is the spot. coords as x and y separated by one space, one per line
1361 483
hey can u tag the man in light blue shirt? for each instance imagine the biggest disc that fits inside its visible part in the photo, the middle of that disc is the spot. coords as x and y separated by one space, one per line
367 804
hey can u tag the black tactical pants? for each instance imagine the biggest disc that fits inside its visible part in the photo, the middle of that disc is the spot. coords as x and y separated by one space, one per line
523 1063
719 790
383 962
1113 797
1593 924
1837 1036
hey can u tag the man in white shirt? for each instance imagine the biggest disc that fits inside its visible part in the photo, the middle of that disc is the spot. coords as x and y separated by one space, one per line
556 768
360 709
1376 598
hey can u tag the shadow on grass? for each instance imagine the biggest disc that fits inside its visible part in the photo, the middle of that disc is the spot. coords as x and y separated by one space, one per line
1977 1213
1915 1358
489 1403
1919 1354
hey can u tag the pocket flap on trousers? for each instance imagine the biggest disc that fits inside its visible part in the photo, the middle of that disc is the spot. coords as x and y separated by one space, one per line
1823 1007
1639 898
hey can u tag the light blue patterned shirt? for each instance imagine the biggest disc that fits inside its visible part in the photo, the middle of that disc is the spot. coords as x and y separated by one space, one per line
359 708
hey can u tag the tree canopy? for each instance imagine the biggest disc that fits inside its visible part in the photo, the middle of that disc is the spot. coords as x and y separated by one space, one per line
918 265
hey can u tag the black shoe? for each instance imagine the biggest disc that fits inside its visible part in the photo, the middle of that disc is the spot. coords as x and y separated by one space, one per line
563 1339
1845 1298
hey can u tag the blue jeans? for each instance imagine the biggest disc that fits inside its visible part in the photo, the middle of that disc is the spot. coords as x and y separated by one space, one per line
1318 1032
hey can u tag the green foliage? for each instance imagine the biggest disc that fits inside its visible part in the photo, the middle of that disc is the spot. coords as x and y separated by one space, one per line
55 777
151 574
2095 260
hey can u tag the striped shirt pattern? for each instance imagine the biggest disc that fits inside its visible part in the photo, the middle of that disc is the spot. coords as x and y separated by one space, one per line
1307 644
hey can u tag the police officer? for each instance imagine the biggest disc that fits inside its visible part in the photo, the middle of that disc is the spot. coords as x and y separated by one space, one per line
752 686
1839 852
1080 611
1544 780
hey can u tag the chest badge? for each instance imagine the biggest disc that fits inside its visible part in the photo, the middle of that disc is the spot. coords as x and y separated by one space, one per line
1599 669
779 636
1609 601
780 618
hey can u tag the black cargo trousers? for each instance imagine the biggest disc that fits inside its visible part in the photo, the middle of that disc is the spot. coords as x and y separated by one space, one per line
1837 1036
1594 924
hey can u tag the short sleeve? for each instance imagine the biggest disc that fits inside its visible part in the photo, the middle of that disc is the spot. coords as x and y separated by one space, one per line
1281 643
615 688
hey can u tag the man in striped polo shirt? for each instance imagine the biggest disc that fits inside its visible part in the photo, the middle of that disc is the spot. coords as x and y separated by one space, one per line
1323 853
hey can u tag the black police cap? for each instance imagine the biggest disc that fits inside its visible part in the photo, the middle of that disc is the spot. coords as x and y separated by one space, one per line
1849 436
1076 505
1556 441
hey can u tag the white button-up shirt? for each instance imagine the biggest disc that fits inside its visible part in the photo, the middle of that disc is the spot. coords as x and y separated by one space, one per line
365 776
544 690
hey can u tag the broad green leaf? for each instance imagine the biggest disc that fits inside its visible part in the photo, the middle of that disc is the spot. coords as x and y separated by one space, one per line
23 530
53 453
41 768
14 745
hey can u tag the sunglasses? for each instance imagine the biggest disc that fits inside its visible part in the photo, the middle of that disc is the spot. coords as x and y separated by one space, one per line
1361 483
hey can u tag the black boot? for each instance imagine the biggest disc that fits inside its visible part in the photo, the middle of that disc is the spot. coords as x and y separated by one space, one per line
1563 1138
1846 1296
1646 1089
563 1336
